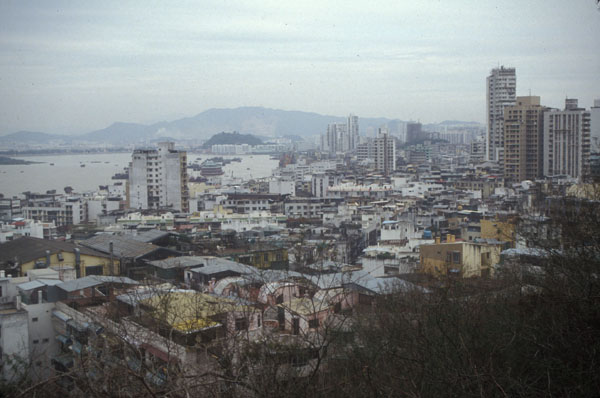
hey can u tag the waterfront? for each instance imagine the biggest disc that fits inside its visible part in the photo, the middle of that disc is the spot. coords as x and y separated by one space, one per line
98 170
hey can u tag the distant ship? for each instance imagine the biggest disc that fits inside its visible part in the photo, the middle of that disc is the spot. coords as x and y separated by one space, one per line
82 165
210 168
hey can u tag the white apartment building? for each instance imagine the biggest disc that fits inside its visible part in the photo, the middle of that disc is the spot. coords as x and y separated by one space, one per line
385 152
20 227
595 127
566 141
158 178
341 137
62 210
353 134
501 92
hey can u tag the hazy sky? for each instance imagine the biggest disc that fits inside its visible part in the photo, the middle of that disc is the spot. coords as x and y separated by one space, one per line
69 67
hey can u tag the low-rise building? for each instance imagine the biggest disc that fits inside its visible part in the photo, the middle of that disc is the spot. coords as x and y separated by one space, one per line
463 259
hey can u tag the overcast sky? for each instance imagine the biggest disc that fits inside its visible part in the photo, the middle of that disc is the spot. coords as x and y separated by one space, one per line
69 67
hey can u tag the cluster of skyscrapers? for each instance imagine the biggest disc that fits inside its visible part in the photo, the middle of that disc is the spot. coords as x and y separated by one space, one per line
342 138
530 140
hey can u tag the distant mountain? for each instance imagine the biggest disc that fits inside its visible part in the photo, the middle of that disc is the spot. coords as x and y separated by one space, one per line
24 137
119 133
454 122
232 138
257 121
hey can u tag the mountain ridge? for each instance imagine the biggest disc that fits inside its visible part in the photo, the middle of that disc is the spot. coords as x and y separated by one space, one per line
255 120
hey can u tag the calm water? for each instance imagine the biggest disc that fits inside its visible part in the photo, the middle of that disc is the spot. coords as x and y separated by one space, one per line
98 170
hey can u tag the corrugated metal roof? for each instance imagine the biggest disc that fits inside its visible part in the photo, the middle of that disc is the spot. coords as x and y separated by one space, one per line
94 280
179 262
151 235
123 246
39 283
30 285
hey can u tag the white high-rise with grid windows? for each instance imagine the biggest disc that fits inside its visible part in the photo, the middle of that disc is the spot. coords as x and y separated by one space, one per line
501 92
158 179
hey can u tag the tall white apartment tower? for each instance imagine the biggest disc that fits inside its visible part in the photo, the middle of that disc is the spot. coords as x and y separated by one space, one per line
158 178
336 138
501 92
595 127
567 140
352 129
385 152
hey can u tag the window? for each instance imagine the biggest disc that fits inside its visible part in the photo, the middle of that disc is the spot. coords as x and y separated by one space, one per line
241 324
456 257
313 323
35 341
34 319
45 340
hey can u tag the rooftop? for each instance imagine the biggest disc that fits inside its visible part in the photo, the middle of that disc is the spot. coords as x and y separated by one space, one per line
27 249
123 246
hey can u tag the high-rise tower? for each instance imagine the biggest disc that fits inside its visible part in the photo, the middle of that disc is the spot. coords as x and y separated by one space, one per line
158 178
523 139
501 92
567 140
353 131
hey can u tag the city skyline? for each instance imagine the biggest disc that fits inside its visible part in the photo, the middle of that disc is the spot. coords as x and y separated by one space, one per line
69 69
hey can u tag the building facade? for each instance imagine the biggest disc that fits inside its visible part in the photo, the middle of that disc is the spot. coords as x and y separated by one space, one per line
501 92
523 139
385 153
567 141
158 178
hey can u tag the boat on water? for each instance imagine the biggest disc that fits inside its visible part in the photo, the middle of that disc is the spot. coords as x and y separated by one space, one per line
51 164
82 165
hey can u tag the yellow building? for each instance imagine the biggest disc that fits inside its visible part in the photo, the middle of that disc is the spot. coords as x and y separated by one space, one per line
274 258
504 231
463 259
19 256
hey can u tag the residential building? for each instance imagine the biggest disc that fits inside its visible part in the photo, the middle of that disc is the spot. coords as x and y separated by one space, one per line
414 133
336 140
566 141
14 340
501 92
463 259
61 210
353 134
523 139
19 256
385 152
158 178
595 138
477 152
10 208
341 137
20 227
